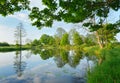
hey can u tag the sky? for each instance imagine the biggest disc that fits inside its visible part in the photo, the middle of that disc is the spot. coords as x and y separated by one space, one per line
8 25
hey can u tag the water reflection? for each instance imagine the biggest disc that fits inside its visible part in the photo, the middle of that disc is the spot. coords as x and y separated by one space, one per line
62 57
46 66
19 64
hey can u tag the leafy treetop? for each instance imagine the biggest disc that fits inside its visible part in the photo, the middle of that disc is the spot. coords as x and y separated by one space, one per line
72 11
10 6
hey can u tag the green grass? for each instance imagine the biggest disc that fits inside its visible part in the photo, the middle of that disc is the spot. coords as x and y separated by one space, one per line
12 48
109 70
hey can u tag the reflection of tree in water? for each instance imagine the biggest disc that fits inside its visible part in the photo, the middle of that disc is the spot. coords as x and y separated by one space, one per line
59 61
62 57
19 65
28 54
68 57
74 58
44 53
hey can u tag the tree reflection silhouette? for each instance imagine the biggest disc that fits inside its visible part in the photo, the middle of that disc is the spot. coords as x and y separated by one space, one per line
46 54
75 58
62 57
19 65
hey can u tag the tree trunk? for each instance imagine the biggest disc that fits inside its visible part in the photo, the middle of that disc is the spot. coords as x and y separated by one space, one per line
98 40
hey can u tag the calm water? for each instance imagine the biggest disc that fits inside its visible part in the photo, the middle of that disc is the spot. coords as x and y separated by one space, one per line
45 66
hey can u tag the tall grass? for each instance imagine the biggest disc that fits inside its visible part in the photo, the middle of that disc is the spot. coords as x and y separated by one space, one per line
109 70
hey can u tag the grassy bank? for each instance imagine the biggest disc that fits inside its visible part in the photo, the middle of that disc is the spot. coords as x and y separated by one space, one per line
109 70
12 48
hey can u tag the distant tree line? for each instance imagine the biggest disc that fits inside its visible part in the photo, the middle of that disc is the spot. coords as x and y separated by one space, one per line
63 38
4 44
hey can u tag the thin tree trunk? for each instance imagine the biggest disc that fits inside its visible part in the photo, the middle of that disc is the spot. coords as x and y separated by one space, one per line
20 37
98 40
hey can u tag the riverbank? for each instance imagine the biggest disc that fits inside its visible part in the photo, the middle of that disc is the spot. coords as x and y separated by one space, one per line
109 70
12 48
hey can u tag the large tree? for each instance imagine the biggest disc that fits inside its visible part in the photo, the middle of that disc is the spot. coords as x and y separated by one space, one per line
20 32
72 11
10 6
107 34
75 11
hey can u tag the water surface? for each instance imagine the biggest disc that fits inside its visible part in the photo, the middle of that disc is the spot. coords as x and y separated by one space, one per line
45 66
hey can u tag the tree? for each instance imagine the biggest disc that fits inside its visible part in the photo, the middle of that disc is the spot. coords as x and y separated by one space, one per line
4 44
90 39
57 40
10 6
47 40
77 40
28 41
64 40
107 34
60 32
19 34
75 11
72 11
46 54
19 64
58 35
64 56
35 43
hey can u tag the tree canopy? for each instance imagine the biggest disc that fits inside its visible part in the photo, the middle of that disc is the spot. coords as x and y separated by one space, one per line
10 6
65 40
77 40
73 11
47 40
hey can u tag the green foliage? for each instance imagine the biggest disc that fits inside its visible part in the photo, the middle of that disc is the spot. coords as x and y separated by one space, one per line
57 40
108 71
47 40
77 40
64 40
46 54
93 50
12 48
107 33
64 56
73 11
35 43
78 54
90 40
4 44
10 6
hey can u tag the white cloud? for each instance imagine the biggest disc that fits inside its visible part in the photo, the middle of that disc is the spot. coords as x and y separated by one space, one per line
36 3
21 16
6 34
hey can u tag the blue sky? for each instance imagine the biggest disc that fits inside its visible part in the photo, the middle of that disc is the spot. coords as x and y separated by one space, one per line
9 23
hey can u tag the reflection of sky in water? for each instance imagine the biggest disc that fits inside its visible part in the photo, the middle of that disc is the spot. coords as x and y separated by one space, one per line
41 71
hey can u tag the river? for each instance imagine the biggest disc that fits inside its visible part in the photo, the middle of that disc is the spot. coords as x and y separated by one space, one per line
45 66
